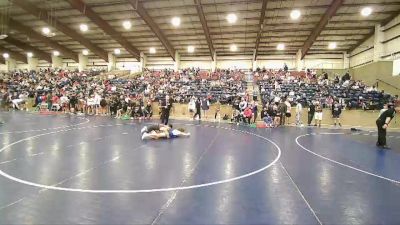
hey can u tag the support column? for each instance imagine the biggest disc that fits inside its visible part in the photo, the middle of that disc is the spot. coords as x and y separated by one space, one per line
83 61
33 63
111 62
254 61
346 60
56 62
11 64
177 62
143 61
214 62
299 61
378 46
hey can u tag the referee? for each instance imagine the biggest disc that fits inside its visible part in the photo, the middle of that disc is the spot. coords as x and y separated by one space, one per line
383 122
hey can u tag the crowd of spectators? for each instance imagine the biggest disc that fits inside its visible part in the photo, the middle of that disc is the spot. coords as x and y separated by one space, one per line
87 93
280 91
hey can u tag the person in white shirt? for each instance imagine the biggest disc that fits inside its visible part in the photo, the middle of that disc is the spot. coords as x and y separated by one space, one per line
192 106
299 110
97 99
90 105
242 105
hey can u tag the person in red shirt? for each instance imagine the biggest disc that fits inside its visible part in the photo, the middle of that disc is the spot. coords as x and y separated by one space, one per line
247 113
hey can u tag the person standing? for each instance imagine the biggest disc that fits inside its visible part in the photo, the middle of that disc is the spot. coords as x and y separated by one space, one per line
192 106
205 106
255 111
382 124
311 112
336 112
198 108
299 110
166 106
288 113
318 114
282 108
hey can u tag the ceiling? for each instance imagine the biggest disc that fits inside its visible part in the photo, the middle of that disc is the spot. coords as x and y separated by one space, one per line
151 26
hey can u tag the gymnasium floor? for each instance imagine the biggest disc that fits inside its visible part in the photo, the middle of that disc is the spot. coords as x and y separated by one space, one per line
96 170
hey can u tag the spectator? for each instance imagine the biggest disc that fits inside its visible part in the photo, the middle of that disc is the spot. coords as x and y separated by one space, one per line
299 110
318 114
205 106
197 114
336 112
311 113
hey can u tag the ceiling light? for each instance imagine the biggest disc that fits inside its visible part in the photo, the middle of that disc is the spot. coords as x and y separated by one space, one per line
366 11
29 54
117 51
127 24
233 48
332 45
46 30
6 55
83 27
152 50
85 52
280 46
190 49
56 53
295 14
231 18
176 21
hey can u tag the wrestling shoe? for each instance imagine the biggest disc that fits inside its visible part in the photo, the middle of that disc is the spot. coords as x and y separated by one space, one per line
144 129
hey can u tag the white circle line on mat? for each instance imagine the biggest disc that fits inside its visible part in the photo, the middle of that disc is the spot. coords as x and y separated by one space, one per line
49 187
339 163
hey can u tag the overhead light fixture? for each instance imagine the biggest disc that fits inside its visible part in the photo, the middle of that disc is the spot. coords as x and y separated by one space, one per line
127 24
152 50
3 36
332 45
83 27
280 47
117 51
29 54
176 21
56 53
295 14
190 49
85 52
6 55
366 11
233 48
231 18
46 30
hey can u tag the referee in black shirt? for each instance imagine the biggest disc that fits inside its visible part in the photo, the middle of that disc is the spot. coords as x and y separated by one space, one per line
383 122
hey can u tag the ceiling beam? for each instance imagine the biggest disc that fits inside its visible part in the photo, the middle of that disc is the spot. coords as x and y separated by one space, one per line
329 13
390 18
372 32
227 3
260 27
141 11
102 24
28 48
44 16
34 35
203 22
15 55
